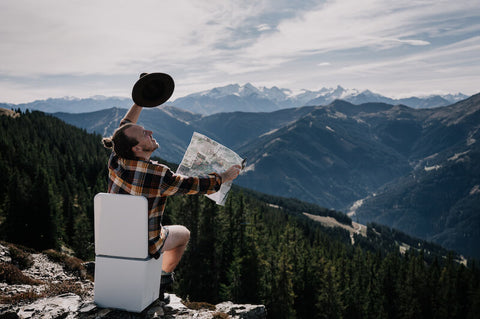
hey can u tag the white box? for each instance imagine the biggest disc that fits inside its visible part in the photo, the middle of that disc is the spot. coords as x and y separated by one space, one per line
126 278
127 284
121 225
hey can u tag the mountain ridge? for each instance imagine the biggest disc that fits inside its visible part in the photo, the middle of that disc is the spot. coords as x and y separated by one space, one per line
235 97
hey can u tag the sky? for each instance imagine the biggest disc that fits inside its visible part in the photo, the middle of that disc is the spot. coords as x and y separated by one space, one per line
58 48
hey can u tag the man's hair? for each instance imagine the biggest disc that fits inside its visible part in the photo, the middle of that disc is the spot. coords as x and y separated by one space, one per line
121 143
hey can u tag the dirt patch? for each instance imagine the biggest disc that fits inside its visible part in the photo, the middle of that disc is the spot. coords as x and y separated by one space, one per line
7 112
357 228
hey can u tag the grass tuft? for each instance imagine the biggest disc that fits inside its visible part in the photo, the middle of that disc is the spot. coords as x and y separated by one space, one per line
22 297
198 305
68 286
220 315
11 275
52 289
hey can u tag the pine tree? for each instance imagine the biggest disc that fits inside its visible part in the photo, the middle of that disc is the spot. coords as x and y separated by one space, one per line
232 289
388 280
17 224
44 216
329 302
283 295
206 251
82 238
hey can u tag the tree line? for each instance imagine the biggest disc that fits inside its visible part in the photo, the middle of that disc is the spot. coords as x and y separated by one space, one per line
255 249
50 172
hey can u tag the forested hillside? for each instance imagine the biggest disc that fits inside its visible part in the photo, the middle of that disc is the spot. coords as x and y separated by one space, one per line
256 249
253 252
50 172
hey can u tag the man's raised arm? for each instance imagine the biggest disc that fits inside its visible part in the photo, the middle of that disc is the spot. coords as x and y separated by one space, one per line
132 115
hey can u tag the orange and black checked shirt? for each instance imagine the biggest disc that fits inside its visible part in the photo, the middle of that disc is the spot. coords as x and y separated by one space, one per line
156 182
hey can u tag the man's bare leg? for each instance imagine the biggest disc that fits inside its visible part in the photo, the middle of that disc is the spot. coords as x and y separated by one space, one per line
174 247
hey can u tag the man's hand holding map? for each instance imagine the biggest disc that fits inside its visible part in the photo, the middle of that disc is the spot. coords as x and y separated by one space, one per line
204 156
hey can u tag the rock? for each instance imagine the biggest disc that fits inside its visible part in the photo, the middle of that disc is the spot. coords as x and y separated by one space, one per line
87 308
176 304
90 268
156 311
72 305
5 254
178 310
242 311
62 306
9 315
44 269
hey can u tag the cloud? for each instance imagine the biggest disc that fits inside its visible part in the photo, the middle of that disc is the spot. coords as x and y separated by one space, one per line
101 37
85 37
351 24
376 34
225 41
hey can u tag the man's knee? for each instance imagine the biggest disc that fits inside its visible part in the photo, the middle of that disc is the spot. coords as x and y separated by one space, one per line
186 234
181 233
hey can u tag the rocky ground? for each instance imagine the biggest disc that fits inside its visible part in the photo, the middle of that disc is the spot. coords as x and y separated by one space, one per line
63 288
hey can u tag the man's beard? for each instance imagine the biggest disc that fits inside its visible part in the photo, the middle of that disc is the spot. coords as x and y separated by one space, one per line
150 148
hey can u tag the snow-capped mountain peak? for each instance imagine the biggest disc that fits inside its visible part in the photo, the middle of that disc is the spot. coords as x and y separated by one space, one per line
248 98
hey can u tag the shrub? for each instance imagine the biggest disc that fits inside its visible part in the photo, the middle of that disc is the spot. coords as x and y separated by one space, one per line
20 257
11 275
69 263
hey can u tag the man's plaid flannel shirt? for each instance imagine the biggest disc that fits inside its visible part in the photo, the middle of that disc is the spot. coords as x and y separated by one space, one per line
155 182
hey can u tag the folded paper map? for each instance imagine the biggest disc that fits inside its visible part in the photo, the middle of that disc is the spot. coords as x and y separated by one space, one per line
204 156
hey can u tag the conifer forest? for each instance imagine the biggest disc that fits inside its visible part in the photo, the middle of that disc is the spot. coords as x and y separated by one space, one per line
256 249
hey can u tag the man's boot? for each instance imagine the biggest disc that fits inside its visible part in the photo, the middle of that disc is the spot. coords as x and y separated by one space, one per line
166 283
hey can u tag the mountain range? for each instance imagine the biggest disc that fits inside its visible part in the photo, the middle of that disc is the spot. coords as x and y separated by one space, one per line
248 98
413 169
244 98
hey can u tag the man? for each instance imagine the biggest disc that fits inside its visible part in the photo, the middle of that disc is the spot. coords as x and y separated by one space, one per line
132 172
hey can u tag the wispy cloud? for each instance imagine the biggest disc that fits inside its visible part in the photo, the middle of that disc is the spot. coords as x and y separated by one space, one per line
263 27
350 24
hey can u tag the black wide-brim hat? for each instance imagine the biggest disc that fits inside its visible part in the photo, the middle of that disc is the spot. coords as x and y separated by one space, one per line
152 89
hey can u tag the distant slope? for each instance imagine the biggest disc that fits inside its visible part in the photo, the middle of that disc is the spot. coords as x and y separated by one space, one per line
440 198
439 203
170 127
240 128
101 122
173 127
73 105
335 154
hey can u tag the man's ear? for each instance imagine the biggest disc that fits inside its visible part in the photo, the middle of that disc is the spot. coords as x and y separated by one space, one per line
136 149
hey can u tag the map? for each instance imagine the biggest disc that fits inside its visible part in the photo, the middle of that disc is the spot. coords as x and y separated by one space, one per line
204 156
